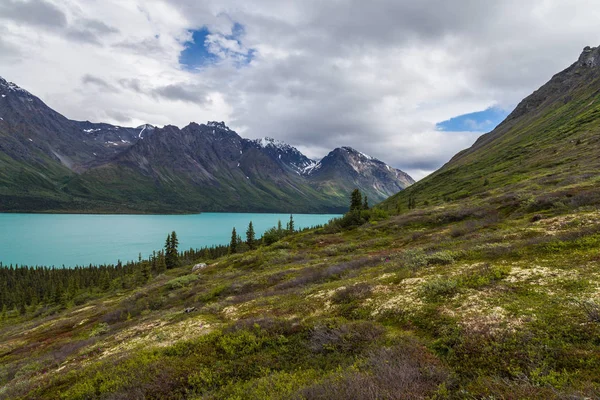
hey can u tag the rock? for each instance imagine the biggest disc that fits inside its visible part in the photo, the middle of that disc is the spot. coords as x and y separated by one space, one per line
199 267
190 309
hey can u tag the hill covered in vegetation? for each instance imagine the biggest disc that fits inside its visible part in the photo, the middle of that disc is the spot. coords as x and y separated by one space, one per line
480 282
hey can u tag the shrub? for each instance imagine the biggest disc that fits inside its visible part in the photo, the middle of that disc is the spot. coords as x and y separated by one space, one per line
591 309
484 275
99 329
414 259
351 337
440 258
182 281
352 293
405 371
439 287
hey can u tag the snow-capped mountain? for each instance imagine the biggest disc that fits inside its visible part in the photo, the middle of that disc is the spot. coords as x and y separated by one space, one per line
287 154
350 169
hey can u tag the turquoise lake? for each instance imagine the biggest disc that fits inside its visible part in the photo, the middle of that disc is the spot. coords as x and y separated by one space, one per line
75 239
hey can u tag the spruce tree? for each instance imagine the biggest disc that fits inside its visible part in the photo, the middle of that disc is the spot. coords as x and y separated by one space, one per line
233 244
171 252
161 265
366 203
291 226
250 237
356 202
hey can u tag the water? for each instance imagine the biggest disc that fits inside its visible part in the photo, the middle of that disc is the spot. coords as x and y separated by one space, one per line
75 239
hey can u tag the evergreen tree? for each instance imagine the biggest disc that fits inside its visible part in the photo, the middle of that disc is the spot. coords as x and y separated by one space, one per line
279 229
411 203
290 225
161 264
171 251
233 244
356 202
145 271
366 203
250 236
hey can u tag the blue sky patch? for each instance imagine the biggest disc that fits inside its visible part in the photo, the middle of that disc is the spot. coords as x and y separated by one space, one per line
200 51
480 121
196 53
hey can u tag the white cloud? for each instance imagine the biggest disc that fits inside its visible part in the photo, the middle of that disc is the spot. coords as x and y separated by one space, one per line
376 76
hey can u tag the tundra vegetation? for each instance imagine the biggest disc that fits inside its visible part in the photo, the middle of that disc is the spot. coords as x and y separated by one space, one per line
447 301
482 281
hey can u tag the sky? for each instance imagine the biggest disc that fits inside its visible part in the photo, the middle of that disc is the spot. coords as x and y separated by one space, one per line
409 82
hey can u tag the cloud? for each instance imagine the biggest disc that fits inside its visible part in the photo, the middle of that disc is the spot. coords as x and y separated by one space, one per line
100 83
33 12
378 76
182 92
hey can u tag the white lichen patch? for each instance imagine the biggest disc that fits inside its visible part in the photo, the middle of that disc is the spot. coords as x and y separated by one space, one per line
154 333
538 275
385 276
406 298
83 309
324 294
552 226
477 313
235 312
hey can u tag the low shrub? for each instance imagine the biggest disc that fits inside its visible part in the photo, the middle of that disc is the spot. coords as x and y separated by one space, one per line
405 371
437 288
350 337
352 293
483 275
182 281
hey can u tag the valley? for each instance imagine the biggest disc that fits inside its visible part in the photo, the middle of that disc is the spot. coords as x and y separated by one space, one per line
480 281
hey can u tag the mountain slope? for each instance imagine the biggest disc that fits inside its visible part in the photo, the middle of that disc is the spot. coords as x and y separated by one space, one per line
490 295
344 169
51 163
546 151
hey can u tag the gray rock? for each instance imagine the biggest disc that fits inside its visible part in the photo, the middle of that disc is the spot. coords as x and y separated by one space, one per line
199 267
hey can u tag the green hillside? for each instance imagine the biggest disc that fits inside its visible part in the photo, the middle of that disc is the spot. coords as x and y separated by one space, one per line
544 153
488 287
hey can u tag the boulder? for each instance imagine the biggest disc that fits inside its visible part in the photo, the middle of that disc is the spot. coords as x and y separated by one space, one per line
199 267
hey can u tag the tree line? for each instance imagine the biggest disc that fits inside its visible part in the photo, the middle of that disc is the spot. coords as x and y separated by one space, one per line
24 289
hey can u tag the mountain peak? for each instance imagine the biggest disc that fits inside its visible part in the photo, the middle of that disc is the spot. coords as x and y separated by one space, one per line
216 124
357 153
590 57
12 87
270 142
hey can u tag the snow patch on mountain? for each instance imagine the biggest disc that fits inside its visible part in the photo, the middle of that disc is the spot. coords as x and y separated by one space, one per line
12 87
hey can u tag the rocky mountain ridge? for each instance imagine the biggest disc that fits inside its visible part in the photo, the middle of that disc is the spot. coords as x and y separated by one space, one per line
88 166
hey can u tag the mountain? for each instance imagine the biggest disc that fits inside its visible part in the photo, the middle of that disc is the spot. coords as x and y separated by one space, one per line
486 288
51 163
344 169
545 153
